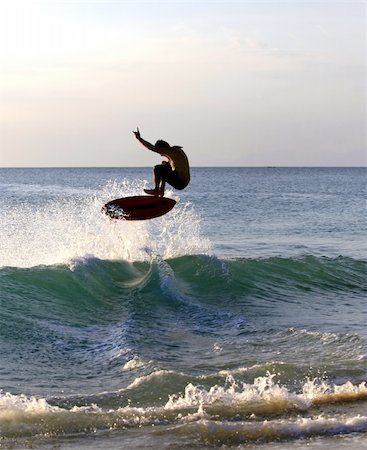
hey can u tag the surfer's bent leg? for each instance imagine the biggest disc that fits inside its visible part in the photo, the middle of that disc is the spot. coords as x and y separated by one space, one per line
161 171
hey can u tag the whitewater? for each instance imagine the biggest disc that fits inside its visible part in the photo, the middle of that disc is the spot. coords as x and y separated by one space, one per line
238 319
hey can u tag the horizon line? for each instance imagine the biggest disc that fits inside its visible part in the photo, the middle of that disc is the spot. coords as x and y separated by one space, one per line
192 167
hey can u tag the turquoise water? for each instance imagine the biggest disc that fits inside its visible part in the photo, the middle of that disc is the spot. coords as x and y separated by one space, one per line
236 320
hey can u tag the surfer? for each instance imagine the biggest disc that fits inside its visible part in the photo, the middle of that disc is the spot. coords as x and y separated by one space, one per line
175 171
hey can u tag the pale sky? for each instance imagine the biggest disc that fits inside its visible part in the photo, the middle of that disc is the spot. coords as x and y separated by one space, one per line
236 83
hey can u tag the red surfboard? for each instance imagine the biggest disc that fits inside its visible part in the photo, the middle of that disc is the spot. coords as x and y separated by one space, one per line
139 207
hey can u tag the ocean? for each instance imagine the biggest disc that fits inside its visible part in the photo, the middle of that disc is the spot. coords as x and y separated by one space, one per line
237 320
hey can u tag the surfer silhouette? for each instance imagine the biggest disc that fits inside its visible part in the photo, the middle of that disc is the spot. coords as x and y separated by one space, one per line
175 171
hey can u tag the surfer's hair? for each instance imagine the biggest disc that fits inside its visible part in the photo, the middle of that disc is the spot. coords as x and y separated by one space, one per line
162 144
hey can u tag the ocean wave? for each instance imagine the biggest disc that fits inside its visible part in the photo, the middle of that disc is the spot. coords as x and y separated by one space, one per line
210 292
199 275
213 315
261 410
91 290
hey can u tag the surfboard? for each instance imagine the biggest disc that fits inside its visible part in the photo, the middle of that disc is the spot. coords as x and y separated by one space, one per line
139 207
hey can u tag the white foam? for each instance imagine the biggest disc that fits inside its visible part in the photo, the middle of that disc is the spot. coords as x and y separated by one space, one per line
22 416
264 396
21 403
322 392
245 369
134 363
146 378
209 411
70 229
217 348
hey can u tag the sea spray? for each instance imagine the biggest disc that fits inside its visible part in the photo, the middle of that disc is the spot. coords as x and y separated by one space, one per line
67 228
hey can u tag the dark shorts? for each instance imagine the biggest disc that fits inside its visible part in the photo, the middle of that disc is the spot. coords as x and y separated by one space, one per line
170 176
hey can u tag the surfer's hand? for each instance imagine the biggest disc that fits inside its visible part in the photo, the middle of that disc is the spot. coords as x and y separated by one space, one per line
137 133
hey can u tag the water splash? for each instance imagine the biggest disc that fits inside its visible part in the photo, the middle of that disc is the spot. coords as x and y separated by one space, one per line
66 229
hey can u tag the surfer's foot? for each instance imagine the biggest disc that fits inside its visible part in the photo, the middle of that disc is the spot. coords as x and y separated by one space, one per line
156 192
151 191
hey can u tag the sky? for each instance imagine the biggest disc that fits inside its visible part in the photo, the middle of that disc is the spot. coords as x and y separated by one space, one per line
236 83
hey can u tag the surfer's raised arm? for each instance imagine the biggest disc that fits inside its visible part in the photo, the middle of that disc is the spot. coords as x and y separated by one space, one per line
175 171
146 144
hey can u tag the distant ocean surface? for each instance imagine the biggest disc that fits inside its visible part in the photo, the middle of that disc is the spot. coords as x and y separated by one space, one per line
237 320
